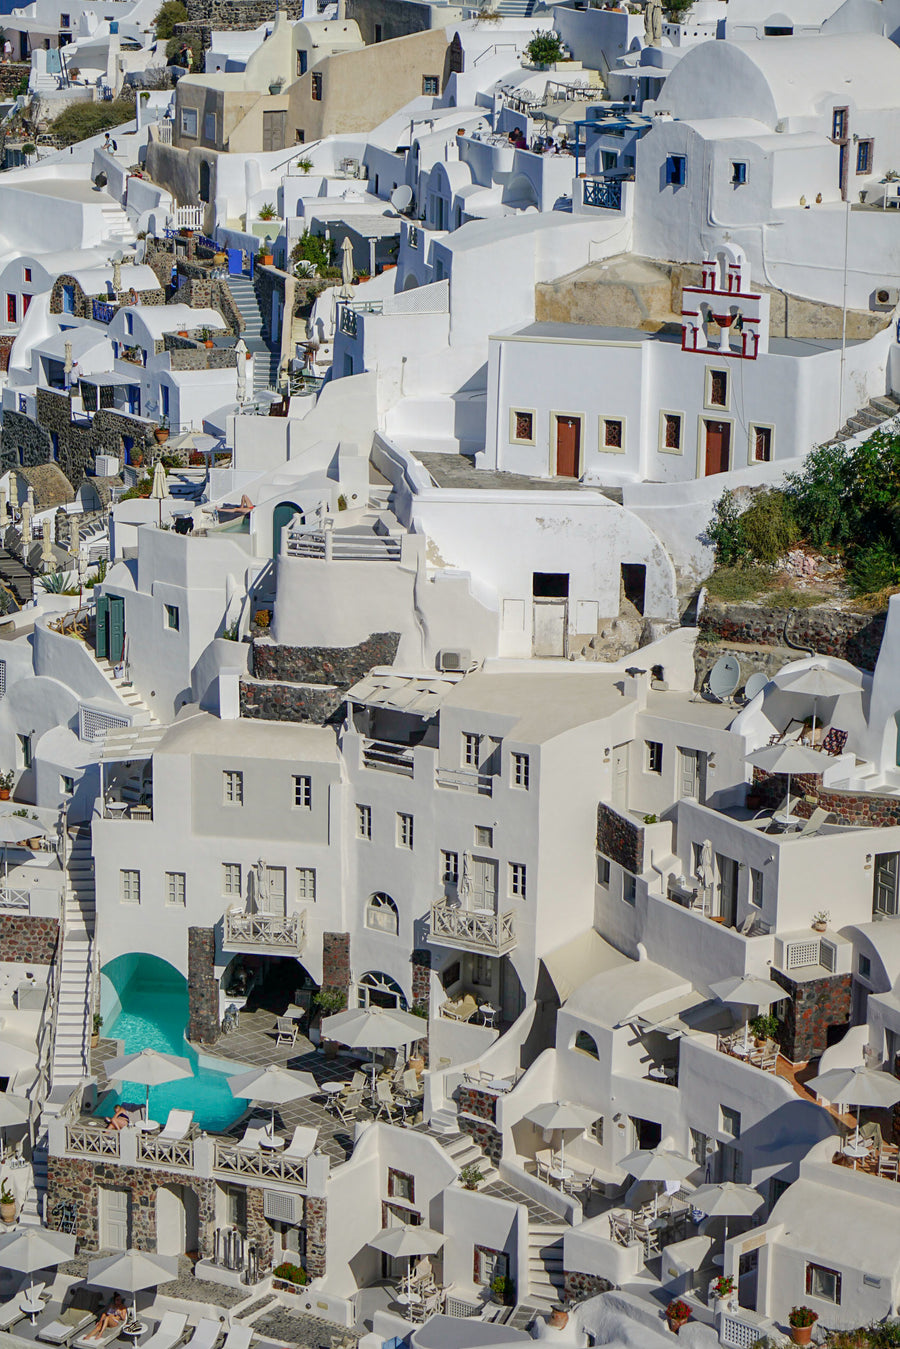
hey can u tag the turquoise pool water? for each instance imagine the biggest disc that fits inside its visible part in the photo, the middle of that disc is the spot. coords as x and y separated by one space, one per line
153 1015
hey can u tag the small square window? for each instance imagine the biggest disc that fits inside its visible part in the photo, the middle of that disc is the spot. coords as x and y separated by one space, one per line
302 792
612 434
306 883
27 273
654 756
175 889
172 617
130 887
316 86
431 85
670 438
521 771
66 785
189 121
718 388
404 830
738 173
823 1283
484 836
864 156
762 444
449 867
233 788
521 427
231 879
864 965
602 869
729 1121
364 822
676 170
629 887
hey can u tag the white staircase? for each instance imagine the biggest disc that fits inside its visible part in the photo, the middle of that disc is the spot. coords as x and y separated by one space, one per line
115 223
266 355
546 1272
463 1150
127 693
71 1047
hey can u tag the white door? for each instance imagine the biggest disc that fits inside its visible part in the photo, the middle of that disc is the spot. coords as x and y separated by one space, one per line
620 777
483 885
115 1219
550 621
170 1233
693 774
276 887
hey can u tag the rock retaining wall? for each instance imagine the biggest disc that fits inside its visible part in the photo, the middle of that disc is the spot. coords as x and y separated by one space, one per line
620 839
825 630
28 940
815 1006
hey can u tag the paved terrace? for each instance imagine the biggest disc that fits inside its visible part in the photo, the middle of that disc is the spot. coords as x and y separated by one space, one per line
458 470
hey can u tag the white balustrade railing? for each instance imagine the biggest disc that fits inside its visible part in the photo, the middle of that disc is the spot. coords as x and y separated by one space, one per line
473 929
92 1140
466 780
287 931
15 899
166 1151
258 1164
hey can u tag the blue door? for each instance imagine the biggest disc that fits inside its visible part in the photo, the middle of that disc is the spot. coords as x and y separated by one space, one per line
235 262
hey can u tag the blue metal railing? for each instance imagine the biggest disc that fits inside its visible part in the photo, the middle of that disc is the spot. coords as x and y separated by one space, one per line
348 320
102 312
605 192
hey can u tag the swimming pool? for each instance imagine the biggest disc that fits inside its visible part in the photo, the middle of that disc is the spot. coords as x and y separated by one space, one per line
151 1012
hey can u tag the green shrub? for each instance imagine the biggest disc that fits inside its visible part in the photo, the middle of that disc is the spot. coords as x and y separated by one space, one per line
329 1000
167 16
290 1273
725 532
875 566
544 48
313 248
175 44
82 120
733 585
768 527
765 1026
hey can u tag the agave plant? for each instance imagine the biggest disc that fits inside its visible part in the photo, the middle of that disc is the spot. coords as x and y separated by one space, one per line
56 583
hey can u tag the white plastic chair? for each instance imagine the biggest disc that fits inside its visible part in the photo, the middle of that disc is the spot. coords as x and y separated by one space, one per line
176 1126
302 1143
168 1332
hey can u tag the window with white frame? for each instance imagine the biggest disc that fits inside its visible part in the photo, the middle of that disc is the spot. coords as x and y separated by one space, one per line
449 867
654 751
471 749
233 787
172 617
602 869
729 1121
521 771
306 883
517 880
670 432
188 121
231 880
175 889
364 822
302 792
489 1265
130 887
484 836
760 444
382 914
823 1283
482 969
404 830
612 435
756 887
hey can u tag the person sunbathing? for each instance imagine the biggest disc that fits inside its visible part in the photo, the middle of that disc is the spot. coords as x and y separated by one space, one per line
119 1119
116 1314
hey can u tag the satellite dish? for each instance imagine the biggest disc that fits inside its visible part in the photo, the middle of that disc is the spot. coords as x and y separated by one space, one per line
118 256
754 685
724 677
401 197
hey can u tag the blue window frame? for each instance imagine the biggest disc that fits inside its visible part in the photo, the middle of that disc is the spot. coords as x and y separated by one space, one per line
68 299
676 170
738 173
164 399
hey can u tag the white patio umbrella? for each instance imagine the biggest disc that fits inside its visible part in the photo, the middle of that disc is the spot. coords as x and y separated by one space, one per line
748 991
860 1086
789 759
274 1086
131 1271
706 872
150 1068
725 1199
563 1116
33 1248
816 681
160 490
407 1241
373 1028
665 1166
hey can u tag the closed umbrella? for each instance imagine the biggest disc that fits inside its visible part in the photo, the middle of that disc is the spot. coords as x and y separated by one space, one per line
150 1068
373 1028
131 1271
859 1086
748 991
347 269
816 681
33 1248
274 1086
407 1241
725 1199
563 1116
706 873
160 489
789 759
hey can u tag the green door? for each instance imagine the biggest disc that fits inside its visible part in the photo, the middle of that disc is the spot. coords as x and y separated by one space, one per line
116 629
282 515
102 639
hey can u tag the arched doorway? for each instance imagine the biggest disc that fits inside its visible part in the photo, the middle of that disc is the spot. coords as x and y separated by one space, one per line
282 515
177 1220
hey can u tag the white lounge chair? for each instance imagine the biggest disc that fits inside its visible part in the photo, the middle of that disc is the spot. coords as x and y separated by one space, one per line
252 1135
176 1126
80 1314
111 1333
168 1332
206 1334
11 1312
302 1143
238 1337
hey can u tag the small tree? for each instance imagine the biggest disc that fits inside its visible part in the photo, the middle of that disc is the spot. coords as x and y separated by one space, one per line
170 13
544 48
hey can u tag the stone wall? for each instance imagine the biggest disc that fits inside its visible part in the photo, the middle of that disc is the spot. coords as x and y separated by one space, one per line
82 303
203 986
242 14
316 1212
23 442
27 940
333 665
579 1287
488 1138
336 961
264 701
6 343
78 444
620 839
259 1229
815 1005
481 1104
865 809
825 630
78 1180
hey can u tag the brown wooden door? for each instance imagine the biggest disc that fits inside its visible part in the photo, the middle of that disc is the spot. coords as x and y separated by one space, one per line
718 447
568 446
273 131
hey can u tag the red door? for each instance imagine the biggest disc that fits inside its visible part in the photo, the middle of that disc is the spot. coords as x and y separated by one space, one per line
26 301
718 447
568 446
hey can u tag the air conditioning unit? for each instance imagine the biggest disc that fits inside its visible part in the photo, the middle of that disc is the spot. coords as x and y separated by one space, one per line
350 167
282 1207
886 297
106 465
450 661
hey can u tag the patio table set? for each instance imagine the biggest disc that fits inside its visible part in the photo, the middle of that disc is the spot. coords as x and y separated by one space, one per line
395 1094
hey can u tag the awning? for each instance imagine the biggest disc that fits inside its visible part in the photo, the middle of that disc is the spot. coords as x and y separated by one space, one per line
113 377
421 694
690 1014
571 965
131 742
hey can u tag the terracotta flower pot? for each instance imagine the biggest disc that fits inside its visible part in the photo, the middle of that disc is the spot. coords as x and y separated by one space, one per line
801 1334
4 793
8 1213
209 342
558 1318
161 434
675 1323
266 259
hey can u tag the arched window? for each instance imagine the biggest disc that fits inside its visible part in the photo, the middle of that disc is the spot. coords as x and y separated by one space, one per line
586 1044
380 990
381 913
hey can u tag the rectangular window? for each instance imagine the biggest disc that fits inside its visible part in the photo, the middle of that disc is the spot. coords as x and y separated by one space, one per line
233 788
489 1265
25 750
676 170
378 32
401 1185
517 880
130 887
172 617
302 792
306 883
66 785
629 887
27 273
404 830
839 124
481 968
209 127
129 324
189 121
449 867
670 429
521 773
602 869
884 899
484 836
431 85
823 1283
756 887
654 756
864 156
865 966
175 889
471 749
717 392
65 21
612 434
521 427
738 173
729 1121
699 1147
364 822
10 308
762 444
597 1131
316 86
231 879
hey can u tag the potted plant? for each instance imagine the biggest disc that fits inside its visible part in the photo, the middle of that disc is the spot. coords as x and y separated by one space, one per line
820 920
289 1277
801 1322
96 1023
6 785
764 1027
304 165
276 85
267 211
206 337
470 1176
678 1313
161 432
503 1289
723 1292
7 1204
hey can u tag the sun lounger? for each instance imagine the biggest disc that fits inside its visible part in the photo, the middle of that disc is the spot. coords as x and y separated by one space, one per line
168 1332
80 1314
11 1312
252 1136
238 1337
110 1333
302 1143
206 1335
176 1126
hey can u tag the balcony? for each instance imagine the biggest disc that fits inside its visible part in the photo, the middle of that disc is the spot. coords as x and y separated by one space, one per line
603 192
487 933
92 1140
264 931
466 780
387 757
257 1164
18 900
166 1151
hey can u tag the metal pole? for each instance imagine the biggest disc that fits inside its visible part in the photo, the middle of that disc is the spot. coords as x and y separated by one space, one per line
844 320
